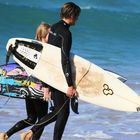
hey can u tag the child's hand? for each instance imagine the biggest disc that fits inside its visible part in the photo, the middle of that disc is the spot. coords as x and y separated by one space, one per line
47 93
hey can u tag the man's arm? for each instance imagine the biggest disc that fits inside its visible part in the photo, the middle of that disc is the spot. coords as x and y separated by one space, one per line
66 65
65 58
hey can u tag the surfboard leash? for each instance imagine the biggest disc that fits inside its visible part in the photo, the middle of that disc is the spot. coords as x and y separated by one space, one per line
5 103
83 75
57 112
9 97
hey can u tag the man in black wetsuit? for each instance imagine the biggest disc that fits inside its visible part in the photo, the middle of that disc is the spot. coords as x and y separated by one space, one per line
61 37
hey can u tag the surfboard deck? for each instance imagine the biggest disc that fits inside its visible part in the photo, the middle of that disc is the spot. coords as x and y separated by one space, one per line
15 83
94 84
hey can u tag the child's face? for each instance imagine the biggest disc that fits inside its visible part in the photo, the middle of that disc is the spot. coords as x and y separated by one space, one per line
46 38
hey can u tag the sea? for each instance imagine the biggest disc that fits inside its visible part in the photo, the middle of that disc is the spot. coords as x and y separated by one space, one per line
107 33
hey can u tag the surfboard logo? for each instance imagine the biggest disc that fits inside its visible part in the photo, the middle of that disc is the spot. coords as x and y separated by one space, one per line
35 56
107 90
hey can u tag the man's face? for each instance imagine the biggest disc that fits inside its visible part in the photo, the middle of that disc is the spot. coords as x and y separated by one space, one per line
73 20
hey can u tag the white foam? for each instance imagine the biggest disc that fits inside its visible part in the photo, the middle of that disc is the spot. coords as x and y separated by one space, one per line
130 133
98 134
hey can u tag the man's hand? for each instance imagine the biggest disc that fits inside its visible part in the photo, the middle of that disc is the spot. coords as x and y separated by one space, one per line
71 91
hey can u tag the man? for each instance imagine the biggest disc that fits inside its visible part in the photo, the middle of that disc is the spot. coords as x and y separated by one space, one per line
61 37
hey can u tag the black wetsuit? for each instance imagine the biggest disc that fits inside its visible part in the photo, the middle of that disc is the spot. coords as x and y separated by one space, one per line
61 38
36 109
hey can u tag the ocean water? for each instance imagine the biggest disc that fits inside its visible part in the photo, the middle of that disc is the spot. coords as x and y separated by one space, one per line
107 34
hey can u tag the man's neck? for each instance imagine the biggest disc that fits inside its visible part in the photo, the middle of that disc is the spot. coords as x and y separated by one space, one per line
66 21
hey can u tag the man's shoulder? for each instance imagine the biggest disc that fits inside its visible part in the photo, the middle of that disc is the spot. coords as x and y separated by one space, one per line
60 28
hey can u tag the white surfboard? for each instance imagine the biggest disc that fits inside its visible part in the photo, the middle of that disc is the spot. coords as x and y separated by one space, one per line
94 84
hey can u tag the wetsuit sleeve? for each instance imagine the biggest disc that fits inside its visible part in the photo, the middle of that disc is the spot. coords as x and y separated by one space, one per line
65 57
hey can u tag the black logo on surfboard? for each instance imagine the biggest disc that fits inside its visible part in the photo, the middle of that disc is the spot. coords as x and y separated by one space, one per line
35 56
107 90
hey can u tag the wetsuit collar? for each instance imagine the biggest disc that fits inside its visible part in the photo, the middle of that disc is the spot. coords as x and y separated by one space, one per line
65 24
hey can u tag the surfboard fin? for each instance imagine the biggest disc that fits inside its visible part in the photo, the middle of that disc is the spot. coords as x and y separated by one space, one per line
74 104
